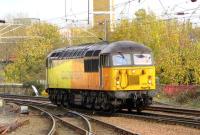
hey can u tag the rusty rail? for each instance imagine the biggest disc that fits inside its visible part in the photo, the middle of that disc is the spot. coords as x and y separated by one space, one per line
169 109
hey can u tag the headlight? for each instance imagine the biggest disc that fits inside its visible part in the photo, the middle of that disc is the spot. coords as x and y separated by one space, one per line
117 82
150 79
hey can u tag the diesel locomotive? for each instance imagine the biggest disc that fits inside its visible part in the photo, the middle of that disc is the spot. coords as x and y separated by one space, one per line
102 76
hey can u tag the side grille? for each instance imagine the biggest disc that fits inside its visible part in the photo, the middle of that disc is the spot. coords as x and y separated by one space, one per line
133 80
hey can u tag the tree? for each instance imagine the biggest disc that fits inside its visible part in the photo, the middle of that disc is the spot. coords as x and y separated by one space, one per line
176 55
30 58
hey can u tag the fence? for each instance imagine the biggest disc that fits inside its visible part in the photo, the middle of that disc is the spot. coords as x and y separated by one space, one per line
172 90
15 89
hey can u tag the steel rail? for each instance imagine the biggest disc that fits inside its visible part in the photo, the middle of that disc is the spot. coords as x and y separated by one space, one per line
53 128
104 124
72 126
83 117
174 110
191 122
23 97
116 128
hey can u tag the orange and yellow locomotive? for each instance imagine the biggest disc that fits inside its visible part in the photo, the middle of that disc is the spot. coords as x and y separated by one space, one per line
103 76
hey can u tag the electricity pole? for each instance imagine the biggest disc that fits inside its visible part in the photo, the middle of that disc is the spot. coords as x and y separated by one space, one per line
105 30
88 12
65 10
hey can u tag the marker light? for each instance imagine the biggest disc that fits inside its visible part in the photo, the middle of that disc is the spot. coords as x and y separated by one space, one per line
150 79
133 71
117 81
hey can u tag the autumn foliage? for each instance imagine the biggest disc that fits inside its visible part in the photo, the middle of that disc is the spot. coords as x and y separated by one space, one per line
31 54
174 43
175 46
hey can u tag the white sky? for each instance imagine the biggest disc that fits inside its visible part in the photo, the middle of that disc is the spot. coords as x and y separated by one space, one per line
53 10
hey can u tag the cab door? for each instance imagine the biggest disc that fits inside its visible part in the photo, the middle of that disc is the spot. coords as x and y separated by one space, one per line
100 72
103 71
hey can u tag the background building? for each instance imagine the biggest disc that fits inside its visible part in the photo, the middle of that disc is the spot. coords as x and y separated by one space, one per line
103 10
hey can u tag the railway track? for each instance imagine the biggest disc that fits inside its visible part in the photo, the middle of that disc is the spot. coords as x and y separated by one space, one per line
186 117
169 109
24 97
116 129
94 126
190 121
169 114
51 117
15 109
61 117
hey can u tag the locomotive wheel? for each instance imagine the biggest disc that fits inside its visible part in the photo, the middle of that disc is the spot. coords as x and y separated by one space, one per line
139 110
89 106
65 101
88 103
111 109
139 105
129 105
53 99
108 108
58 101
97 105
129 109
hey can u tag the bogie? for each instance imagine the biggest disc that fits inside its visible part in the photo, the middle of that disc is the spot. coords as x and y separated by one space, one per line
101 101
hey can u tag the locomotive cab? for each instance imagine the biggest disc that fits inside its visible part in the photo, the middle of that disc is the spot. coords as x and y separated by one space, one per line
132 71
129 74
127 71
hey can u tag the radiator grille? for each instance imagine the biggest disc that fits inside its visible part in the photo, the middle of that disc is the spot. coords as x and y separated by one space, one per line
133 80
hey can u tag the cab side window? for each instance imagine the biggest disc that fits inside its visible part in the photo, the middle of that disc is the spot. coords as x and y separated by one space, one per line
91 65
105 60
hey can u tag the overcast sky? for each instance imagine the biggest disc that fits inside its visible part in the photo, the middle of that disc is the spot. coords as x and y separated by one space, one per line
54 10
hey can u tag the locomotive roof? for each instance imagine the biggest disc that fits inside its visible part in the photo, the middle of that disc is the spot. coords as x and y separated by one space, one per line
126 46
95 49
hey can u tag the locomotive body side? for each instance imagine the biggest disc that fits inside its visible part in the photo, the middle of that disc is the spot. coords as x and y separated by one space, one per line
69 74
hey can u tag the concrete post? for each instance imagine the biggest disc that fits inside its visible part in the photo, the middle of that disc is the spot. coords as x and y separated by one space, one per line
2 104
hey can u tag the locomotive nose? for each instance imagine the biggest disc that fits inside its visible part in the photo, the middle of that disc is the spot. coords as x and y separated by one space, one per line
140 78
